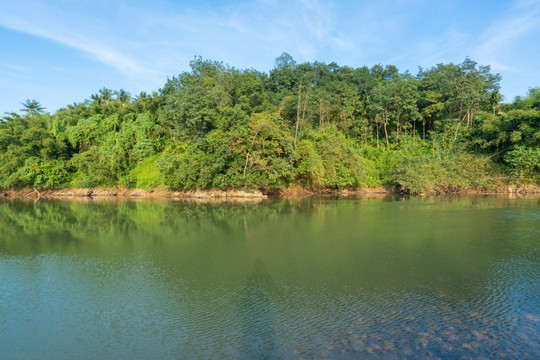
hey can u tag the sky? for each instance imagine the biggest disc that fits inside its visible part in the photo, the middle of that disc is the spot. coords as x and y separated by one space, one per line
61 51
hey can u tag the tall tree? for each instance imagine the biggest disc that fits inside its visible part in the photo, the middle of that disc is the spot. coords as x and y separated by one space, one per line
463 90
32 107
106 94
123 96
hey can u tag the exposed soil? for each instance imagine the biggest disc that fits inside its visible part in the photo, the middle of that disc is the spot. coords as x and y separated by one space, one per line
132 194
249 194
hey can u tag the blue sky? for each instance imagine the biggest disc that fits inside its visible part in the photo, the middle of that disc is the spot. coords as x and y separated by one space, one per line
61 51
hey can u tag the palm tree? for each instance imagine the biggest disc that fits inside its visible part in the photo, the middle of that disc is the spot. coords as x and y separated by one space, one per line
32 107
106 94
96 99
123 96
142 95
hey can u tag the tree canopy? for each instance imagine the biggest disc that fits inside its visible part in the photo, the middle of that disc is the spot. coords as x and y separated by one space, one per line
311 124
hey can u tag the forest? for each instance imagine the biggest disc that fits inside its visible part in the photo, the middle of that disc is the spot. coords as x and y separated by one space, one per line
313 125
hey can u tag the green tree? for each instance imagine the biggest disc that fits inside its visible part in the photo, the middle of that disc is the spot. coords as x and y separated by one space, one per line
32 107
457 93
393 104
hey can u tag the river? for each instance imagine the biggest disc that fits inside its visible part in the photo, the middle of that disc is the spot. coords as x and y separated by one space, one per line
286 279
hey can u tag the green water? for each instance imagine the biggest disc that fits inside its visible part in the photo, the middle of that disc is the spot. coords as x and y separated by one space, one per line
349 278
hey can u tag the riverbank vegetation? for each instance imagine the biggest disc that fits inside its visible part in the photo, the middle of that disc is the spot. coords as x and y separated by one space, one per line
314 125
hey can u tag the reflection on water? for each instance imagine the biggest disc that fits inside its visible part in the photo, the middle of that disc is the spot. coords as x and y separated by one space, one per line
258 338
316 278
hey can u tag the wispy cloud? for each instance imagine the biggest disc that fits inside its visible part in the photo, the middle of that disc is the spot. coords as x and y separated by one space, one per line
434 50
495 41
141 44
155 39
317 17
71 38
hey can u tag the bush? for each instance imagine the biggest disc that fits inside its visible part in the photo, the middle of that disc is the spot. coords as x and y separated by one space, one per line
40 174
145 175
328 158
524 163
423 170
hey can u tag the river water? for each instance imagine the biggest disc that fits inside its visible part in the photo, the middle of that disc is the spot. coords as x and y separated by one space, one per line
307 279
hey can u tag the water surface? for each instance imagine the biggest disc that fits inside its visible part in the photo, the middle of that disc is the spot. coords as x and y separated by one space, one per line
315 278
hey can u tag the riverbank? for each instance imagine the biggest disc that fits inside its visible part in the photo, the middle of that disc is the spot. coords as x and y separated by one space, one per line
247 194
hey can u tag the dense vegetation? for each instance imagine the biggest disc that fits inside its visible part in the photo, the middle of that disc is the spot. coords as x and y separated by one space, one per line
312 124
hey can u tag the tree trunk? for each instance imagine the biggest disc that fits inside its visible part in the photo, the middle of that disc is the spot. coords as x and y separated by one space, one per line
320 114
457 127
297 112
386 134
304 110
378 146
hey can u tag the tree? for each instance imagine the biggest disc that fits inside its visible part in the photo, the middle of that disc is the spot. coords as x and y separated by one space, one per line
393 103
123 96
463 90
193 100
311 123
95 100
106 94
285 60
32 107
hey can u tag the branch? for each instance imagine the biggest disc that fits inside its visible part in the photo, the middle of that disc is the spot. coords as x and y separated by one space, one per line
498 152
38 194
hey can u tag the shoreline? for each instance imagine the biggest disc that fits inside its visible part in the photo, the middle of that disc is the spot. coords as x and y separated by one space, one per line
292 192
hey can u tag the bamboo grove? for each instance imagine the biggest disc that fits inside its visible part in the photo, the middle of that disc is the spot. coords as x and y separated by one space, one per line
315 125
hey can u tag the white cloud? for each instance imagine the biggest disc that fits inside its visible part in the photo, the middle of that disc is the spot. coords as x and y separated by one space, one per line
146 43
72 38
496 40
142 41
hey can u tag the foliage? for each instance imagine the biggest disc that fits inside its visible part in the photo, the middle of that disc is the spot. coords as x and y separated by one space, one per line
524 163
313 124
328 158
32 107
145 175
431 167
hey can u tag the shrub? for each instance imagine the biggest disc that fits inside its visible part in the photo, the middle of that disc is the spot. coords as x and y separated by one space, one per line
524 163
